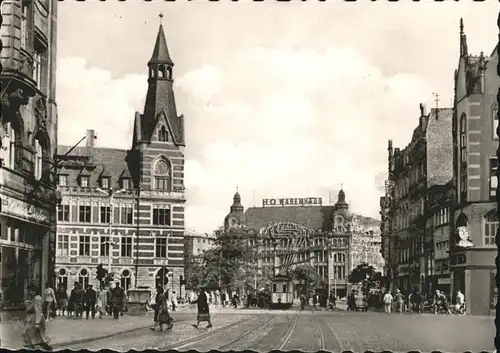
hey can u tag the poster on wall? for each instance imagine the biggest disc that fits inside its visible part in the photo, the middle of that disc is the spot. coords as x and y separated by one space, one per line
494 290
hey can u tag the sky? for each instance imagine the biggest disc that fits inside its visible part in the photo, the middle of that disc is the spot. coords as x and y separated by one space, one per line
279 99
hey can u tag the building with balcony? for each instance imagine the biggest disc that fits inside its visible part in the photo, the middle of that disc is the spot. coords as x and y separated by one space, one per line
28 140
127 206
475 164
340 240
426 161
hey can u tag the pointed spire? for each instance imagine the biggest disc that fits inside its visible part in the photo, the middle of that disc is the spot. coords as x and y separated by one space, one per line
237 206
341 204
160 52
463 39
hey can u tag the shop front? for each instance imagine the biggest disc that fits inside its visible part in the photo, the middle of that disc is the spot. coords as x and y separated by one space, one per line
23 250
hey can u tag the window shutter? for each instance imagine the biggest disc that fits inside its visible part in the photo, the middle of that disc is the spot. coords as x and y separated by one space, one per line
74 213
116 215
95 215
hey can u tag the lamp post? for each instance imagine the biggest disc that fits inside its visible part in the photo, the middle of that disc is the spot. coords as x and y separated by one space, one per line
274 244
111 194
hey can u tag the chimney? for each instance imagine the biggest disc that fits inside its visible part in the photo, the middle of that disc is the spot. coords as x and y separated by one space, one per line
89 141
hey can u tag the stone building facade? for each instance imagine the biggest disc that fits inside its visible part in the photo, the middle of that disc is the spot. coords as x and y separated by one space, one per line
475 163
129 202
28 132
426 161
339 238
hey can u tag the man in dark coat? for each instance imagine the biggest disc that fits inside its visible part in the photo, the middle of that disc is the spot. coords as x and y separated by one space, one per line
90 300
117 296
77 298
351 302
203 309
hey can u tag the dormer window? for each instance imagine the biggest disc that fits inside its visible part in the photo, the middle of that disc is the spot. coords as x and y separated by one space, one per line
162 135
126 183
62 180
84 181
105 182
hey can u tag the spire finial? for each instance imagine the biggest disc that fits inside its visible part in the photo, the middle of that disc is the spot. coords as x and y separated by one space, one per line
341 186
236 188
161 16
461 26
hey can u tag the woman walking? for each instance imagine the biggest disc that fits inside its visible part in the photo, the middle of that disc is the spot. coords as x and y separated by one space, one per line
34 322
203 310
162 315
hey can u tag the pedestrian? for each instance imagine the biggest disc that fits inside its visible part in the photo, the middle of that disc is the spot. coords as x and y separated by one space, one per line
109 308
351 302
174 301
460 299
399 299
62 299
203 309
223 299
332 300
162 316
315 300
34 323
50 301
71 302
388 302
90 302
117 298
101 300
76 298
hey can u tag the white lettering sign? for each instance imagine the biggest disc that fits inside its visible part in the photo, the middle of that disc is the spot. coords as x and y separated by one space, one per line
318 201
19 208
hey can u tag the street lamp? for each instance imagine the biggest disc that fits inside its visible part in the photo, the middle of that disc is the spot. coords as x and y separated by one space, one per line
274 244
111 194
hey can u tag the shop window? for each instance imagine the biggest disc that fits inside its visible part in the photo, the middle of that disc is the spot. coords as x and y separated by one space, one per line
84 214
105 214
161 247
62 180
126 279
63 213
161 216
84 245
127 214
126 247
84 278
490 228
62 245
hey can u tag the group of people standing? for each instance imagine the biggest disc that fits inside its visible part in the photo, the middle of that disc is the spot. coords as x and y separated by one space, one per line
417 302
106 301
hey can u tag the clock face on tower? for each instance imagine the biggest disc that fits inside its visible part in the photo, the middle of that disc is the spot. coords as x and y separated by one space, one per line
233 222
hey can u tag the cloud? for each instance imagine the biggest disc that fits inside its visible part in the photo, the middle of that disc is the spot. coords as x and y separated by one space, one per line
275 122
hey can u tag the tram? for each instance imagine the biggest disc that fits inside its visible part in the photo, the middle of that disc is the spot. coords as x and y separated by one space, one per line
282 292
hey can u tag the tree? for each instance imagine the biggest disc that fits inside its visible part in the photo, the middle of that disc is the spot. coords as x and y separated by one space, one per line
365 275
307 278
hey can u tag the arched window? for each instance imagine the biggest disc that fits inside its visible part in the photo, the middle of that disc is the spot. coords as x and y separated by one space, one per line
62 278
161 71
490 227
162 175
38 160
83 278
494 111
463 138
162 134
126 279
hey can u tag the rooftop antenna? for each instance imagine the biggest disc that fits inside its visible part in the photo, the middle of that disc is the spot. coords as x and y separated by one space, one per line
436 99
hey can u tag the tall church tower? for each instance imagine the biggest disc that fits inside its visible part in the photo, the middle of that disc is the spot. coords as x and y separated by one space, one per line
236 216
157 161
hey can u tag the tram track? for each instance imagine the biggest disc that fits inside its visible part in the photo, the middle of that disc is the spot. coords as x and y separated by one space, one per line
188 344
290 329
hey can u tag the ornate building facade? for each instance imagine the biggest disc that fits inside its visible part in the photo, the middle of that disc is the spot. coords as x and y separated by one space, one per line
426 161
475 223
125 208
337 237
28 132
